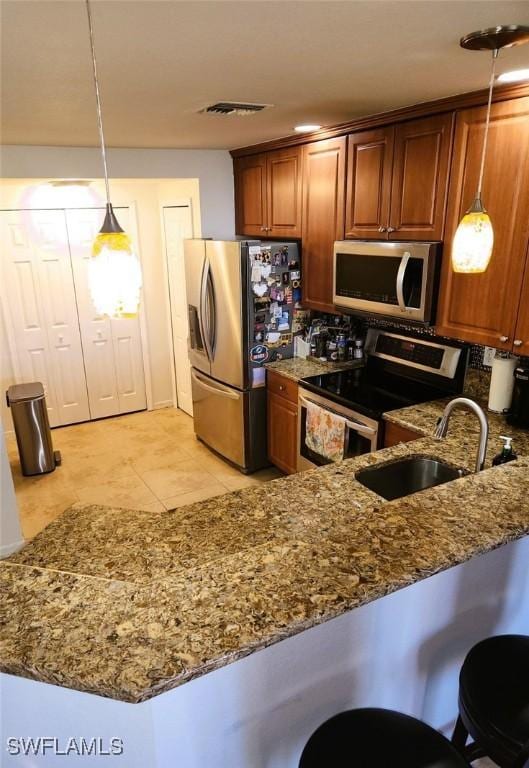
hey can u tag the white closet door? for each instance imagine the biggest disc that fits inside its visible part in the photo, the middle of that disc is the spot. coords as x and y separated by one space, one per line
178 225
40 297
112 347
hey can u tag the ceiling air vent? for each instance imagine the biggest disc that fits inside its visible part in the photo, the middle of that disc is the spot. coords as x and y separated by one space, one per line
234 108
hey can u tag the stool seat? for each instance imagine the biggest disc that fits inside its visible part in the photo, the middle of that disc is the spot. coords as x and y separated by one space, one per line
378 738
494 696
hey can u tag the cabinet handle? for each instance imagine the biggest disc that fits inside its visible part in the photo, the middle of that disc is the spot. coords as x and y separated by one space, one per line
518 342
263 229
392 229
281 387
503 339
382 229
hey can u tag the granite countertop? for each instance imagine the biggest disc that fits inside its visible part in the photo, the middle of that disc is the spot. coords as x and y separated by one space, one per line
128 604
297 368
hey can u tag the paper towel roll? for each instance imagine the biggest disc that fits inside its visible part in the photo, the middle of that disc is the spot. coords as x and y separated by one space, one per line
502 383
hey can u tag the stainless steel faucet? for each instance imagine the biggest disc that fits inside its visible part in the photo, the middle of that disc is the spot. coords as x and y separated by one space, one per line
465 402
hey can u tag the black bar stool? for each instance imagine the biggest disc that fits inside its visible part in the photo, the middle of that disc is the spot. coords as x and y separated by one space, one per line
494 702
378 738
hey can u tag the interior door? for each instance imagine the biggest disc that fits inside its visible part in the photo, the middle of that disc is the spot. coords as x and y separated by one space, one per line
178 226
112 346
40 298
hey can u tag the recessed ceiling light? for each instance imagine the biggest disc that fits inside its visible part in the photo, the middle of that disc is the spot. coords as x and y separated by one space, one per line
514 76
307 128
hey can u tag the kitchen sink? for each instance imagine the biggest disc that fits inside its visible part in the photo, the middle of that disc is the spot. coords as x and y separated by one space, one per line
395 479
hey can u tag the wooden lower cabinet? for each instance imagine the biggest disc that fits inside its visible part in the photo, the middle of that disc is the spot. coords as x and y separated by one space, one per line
484 308
282 422
521 334
395 434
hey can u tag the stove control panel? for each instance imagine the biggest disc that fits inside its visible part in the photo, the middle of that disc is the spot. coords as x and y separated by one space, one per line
428 356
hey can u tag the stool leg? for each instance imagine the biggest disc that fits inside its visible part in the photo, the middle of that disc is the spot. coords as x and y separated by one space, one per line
460 736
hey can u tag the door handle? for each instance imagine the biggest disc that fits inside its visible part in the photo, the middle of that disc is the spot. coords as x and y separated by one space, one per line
204 328
214 390
392 229
352 423
400 280
503 339
382 229
518 342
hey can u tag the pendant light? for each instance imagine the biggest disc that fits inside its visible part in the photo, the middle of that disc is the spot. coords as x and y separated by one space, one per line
114 272
474 237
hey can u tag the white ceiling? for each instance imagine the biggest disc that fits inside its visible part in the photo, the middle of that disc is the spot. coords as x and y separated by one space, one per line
162 60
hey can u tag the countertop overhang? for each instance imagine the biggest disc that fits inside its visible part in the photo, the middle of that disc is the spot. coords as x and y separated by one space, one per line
128 604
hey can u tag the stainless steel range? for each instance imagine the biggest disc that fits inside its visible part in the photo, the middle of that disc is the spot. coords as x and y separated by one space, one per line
399 371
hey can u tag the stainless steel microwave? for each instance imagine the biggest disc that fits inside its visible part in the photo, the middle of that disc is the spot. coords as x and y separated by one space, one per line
398 280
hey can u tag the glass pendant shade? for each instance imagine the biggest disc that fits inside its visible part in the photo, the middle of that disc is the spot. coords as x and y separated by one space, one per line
473 241
114 272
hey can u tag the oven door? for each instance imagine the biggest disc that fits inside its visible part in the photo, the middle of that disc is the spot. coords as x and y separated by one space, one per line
361 432
395 279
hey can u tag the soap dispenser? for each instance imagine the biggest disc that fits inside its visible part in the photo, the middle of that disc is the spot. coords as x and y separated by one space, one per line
506 454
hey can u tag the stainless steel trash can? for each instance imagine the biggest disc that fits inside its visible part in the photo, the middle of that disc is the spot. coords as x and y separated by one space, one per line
32 428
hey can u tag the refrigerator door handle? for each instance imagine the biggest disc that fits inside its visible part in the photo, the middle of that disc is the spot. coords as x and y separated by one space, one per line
216 390
203 318
211 310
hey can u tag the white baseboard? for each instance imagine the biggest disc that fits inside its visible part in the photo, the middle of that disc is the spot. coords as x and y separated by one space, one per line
163 404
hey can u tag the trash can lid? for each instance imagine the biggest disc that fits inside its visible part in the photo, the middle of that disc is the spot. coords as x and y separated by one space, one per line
18 393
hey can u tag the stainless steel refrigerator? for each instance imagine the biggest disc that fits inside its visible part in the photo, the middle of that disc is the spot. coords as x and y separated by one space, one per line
242 297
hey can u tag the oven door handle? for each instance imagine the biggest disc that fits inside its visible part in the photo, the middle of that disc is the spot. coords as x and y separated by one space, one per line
352 423
406 256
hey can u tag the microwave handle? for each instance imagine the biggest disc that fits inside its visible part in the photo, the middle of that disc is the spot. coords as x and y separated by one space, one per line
352 423
400 279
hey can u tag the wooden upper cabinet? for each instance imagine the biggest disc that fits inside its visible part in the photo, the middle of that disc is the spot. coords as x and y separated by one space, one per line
483 308
284 193
268 194
521 333
369 167
323 218
420 178
250 194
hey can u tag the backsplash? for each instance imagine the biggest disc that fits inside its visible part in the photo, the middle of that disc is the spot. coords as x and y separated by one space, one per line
476 350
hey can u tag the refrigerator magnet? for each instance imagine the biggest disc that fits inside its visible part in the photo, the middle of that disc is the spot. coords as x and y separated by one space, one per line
295 274
260 289
259 354
285 278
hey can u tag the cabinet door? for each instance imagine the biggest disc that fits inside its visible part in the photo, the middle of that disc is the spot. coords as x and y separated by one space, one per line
370 158
250 195
420 178
282 433
522 326
323 218
483 308
284 193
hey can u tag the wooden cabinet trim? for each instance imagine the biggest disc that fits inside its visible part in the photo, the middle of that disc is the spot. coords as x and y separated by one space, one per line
423 109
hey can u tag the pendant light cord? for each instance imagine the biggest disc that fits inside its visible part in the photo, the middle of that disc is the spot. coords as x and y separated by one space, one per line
98 100
487 120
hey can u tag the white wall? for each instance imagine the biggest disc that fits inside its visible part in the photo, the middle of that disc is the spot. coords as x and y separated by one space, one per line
212 167
150 179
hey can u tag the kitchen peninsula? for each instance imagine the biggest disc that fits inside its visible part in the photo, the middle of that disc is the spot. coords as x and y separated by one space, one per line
151 610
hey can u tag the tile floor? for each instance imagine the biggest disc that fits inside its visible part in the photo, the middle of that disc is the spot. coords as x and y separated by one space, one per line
149 460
